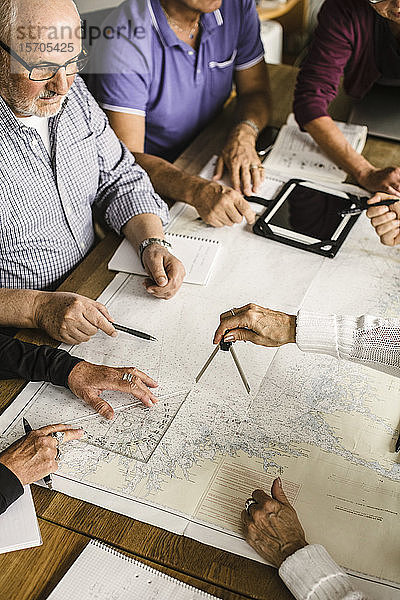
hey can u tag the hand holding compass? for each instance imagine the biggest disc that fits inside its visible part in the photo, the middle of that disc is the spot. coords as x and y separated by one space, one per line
226 346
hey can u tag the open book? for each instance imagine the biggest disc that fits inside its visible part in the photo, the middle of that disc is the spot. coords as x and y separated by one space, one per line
297 155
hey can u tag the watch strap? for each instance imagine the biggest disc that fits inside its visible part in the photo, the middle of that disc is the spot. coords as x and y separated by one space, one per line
148 242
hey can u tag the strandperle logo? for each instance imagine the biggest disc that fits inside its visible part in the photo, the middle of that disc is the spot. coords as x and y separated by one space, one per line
88 33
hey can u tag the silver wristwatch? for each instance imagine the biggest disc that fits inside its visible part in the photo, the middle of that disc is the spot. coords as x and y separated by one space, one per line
149 242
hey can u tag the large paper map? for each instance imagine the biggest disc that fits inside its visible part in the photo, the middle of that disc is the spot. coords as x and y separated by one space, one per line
325 426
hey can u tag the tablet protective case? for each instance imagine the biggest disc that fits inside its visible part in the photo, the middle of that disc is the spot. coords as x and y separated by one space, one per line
328 248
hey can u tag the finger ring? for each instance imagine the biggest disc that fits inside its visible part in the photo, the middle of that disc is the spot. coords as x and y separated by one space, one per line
233 312
59 436
127 377
58 455
249 502
255 166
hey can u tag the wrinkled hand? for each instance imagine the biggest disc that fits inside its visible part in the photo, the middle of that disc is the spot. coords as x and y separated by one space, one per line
166 271
32 457
240 158
381 180
256 324
88 381
273 529
219 205
71 318
385 220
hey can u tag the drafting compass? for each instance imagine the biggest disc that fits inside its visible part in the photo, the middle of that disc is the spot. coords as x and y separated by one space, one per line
226 347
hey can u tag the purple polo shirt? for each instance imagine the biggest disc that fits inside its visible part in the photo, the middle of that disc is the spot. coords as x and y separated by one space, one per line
151 73
344 44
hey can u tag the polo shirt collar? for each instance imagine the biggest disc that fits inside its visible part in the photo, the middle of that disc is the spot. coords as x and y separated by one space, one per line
209 22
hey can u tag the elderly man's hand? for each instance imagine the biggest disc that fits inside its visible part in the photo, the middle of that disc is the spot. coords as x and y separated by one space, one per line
241 159
381 180
88 381
33 456
271 525
385 220
166 271
70 318
219 205
256 324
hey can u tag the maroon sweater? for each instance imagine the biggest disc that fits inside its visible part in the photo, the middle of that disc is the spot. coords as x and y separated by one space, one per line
343 45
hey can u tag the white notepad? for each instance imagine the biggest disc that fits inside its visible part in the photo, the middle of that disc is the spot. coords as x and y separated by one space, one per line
19 527
102 573
197 255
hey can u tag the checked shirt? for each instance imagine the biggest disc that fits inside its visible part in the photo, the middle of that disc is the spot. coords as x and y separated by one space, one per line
46 202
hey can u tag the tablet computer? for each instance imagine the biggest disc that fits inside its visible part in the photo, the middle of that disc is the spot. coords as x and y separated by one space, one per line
306 215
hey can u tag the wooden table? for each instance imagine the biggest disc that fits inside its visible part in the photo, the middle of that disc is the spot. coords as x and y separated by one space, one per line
67 524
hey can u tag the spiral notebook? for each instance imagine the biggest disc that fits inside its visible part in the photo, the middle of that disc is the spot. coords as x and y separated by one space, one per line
102 573
197 255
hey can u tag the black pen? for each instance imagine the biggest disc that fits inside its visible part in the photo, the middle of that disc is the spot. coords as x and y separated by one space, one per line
397 447
135 332
46 479
362 205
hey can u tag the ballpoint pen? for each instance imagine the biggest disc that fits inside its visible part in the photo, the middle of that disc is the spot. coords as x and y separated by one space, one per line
48 481
362 205
140 334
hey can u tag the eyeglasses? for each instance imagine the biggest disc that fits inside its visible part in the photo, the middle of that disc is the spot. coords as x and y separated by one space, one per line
45 71
376 1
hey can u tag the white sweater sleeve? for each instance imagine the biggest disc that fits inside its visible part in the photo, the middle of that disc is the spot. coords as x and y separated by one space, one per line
311 574
367 340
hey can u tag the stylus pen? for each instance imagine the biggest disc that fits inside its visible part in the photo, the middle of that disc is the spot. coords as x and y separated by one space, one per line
397 447
364 206
140 334
48 481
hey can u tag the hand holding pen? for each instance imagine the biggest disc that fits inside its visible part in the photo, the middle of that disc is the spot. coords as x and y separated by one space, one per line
33 457
384 212
364 203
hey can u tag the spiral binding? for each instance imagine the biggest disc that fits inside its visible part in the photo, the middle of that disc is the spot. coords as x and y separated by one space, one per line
152 571
193 237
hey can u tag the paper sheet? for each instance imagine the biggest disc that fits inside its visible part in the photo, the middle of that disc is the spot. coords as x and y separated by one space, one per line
296 154
19 527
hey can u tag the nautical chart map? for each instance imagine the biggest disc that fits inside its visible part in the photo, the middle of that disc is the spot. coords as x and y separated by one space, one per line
327 427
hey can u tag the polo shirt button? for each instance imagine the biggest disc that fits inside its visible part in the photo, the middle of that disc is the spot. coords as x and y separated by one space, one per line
82 244
199 70
190 52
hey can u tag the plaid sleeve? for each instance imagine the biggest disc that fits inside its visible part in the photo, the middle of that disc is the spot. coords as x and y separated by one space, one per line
124 189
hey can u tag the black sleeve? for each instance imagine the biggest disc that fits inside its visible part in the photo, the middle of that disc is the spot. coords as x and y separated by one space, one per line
34 363
10 488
